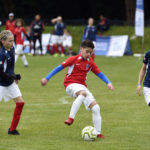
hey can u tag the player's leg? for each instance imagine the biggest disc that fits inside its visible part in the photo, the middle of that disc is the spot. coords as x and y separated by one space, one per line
91 104
23 57
40 42
60 41
75 90
146 92
24 60
34 44
13 92
17 51
16 116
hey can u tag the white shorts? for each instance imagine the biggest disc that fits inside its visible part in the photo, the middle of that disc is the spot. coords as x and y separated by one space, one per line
19 49
57 39
9 92
72 89
146 92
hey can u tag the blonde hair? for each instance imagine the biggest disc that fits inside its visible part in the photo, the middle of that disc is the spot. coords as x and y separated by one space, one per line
4 35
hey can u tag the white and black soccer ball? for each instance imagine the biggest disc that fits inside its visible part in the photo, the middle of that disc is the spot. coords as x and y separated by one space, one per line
89 133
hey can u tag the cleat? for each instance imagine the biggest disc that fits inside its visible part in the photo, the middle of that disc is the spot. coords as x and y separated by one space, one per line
14 132
26 66
62 55
69 121
56 55
101 136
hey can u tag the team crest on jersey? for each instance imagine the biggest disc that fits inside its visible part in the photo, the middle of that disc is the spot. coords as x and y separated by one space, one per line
1 62
87 66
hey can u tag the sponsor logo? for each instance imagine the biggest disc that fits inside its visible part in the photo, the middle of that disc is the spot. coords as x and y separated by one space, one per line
87 66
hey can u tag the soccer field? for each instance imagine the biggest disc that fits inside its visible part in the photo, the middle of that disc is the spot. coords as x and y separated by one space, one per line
125 116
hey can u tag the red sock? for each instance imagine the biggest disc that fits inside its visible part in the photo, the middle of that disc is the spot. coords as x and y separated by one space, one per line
93 56
55 47
62 49
16 116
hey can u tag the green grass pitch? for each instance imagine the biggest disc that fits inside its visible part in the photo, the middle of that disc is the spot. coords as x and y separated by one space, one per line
126 118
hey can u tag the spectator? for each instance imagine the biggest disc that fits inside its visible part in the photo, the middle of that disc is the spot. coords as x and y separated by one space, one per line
103 25
10 24
90 33
59 31
67 41
37 28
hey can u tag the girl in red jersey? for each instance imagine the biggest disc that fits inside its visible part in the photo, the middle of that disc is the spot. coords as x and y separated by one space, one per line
20 34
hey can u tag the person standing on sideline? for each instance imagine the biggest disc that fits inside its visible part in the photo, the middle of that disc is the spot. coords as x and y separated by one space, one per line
10 24
58 34
8 88
145 71
90 33
78 69
37 28
20 33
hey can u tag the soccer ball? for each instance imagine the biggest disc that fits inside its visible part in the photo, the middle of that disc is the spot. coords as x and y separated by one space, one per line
89 133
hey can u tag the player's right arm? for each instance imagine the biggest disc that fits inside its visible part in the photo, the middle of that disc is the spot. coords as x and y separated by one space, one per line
142 72
141 76
65 64
5 75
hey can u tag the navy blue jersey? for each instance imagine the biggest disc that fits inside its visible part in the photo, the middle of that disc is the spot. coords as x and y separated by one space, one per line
59 28
146 61
7 61
90 33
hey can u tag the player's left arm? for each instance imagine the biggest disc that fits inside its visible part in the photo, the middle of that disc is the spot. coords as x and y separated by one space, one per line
102 76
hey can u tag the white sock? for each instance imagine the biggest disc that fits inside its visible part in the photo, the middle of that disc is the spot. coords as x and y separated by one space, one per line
97 119
76 105
24 60
16 57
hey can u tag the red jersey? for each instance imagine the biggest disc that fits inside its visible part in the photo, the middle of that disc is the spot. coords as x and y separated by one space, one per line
78 69
20 33
10 25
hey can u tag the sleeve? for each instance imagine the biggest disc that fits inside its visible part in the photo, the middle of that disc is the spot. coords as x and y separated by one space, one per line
24 31
145 59
2 59
54 71
95 69
104 78
69 61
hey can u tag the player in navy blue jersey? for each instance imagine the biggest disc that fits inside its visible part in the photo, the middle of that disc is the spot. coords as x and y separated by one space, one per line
58 35
90 33
8 88
146 84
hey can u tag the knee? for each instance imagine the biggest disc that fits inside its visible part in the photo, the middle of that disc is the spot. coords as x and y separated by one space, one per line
19 99
96 108
81 93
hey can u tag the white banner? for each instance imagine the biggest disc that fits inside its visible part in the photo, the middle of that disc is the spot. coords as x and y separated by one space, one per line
118 45
139 18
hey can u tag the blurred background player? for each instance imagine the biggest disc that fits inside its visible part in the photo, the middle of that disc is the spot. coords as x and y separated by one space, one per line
8 88
90 33
103 24
10 24
67 42
146 85
37 28
59 31
78 68
20 34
